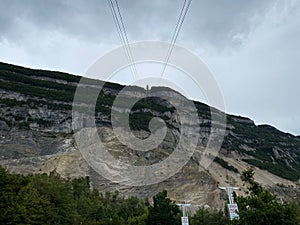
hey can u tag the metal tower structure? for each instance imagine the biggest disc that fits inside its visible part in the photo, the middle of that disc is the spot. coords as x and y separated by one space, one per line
231 206
147 91
184 218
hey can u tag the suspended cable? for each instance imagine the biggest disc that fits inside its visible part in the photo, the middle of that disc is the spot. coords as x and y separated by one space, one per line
183 12
121 33
127 42
118 20
126 39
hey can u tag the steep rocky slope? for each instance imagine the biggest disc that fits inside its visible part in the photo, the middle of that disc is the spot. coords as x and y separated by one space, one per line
36 136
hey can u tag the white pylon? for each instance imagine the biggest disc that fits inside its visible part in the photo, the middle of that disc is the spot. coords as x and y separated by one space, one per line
231 206
184 218
229 193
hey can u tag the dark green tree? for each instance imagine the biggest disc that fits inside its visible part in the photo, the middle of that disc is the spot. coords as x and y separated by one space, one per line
21 203
205 217
134 211
263 208
164 211
43 199
29 207
61 194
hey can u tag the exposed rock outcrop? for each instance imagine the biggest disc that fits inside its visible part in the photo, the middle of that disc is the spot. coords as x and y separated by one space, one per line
36 136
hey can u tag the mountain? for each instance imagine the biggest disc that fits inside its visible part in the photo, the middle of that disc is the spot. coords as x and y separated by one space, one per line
36 136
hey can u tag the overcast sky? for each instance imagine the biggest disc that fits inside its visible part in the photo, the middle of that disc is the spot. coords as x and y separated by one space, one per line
252 47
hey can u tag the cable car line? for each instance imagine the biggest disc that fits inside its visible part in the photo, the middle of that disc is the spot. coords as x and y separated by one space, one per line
183 12
118 20
126 38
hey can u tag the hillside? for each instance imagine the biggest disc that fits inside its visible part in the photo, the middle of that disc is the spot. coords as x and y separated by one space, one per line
36 136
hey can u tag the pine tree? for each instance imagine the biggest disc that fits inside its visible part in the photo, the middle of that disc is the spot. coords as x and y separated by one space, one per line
263 208
164 211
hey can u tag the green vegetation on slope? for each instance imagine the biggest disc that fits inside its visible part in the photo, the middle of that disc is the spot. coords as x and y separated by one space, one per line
55 90
263 208
225 164
279 169
265 140
43 199
49 199
40 73
19 78
27 89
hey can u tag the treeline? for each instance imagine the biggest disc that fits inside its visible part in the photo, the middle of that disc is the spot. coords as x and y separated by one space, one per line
225 164
40 73
20 78
49 199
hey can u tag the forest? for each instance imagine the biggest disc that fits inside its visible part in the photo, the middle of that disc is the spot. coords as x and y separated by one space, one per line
50 199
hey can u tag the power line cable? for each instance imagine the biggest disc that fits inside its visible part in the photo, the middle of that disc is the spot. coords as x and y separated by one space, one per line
126 39
118 20
178 27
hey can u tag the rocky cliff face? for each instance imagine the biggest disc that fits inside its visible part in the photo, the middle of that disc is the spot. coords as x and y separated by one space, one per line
36 136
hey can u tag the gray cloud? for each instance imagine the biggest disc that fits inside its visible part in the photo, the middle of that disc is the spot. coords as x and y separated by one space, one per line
219 23
80 19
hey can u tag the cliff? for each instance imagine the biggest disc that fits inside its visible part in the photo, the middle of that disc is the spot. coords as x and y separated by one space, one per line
36 136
